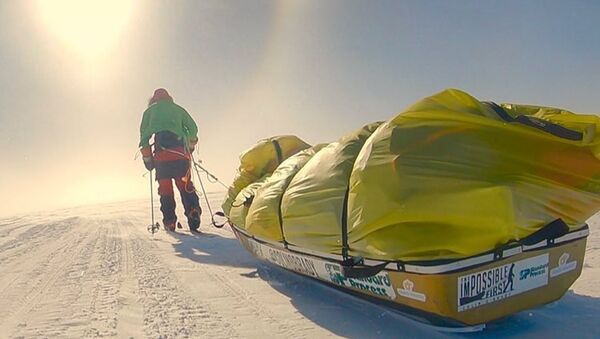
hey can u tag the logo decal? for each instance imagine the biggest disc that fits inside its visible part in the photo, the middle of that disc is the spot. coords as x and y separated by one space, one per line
501 282
379 284
293 262
407 291
563 266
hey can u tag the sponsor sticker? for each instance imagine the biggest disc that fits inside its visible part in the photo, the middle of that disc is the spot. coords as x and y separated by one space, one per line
407 291
290 261
284 259
379 284
501 282
564 265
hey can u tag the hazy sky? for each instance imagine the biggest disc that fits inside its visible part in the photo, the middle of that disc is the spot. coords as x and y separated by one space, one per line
74 80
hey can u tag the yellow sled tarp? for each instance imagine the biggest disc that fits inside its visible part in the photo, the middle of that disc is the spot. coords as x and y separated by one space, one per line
263 219
450 177
260 160
239 207
313 204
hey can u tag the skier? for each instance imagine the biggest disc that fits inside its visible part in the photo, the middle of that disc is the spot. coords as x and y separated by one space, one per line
175 137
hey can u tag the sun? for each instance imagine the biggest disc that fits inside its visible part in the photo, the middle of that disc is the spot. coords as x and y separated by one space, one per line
90 27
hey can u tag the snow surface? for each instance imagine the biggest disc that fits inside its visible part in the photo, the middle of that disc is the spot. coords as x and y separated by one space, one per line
96 272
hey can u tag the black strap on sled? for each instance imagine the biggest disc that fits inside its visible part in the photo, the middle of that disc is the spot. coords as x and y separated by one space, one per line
354 268
280 219
551 231
279 216
278 151
345 246
499 110
555 229
543 125
546 126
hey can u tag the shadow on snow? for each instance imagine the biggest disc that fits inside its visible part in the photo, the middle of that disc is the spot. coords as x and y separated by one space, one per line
349 316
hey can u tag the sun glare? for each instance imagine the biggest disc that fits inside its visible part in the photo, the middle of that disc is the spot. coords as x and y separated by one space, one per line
91 27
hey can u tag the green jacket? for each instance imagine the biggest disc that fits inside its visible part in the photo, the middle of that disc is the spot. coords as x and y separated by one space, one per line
167 116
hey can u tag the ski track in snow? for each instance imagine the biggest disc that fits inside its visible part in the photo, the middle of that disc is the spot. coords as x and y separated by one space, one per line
91 272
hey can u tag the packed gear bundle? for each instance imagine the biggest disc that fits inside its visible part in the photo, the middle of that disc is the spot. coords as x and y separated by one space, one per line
457 209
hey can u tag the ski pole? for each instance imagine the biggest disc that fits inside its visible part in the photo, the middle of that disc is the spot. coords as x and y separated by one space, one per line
151 198
212 215
152 228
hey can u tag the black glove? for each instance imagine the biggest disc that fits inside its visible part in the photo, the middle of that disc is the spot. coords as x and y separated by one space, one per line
149 163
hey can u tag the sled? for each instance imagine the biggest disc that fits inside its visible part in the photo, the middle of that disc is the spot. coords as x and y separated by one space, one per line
456 210
449 294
